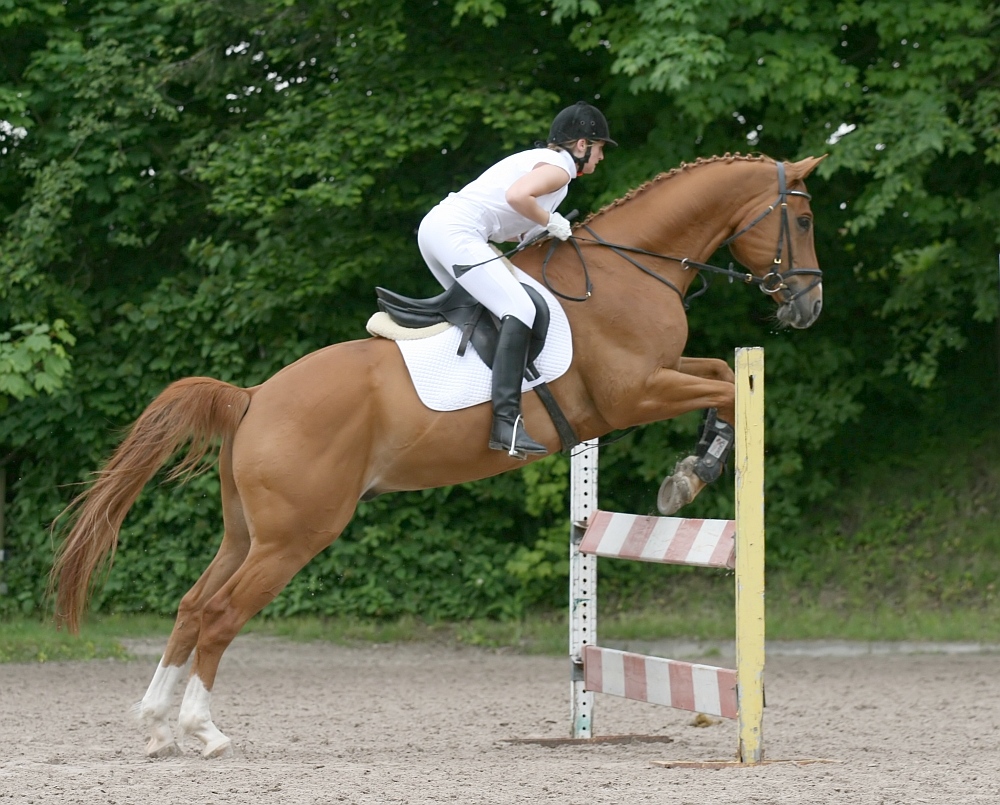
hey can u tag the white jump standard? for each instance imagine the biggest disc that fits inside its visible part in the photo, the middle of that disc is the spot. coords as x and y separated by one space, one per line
737 544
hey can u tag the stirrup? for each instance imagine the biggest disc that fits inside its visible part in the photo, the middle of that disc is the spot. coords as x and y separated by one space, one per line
521 452
514 452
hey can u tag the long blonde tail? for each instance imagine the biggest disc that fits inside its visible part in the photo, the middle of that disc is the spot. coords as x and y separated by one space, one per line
198 410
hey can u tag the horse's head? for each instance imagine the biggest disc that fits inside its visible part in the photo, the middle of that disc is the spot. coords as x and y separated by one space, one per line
775 242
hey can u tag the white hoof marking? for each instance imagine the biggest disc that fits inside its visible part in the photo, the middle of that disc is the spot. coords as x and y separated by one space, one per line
196 720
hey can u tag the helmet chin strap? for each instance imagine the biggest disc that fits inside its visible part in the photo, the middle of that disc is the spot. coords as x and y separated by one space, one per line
581 161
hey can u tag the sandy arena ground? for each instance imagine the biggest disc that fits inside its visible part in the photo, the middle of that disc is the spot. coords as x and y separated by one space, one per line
315 723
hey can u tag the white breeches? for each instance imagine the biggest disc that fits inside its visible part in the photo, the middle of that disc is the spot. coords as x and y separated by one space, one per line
446 242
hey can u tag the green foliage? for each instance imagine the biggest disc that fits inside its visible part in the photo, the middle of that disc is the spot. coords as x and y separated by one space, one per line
920 544
192 188
33 359
907 89
28 641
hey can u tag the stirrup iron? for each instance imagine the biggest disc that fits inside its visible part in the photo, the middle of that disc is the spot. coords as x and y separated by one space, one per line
514 452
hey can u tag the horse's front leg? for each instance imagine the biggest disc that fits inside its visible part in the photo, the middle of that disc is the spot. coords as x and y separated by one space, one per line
696 383
715 441
710 368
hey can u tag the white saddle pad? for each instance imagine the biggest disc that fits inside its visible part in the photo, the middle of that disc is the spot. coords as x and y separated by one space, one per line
447 382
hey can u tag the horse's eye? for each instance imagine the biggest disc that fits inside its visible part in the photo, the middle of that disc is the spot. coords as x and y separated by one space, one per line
804 222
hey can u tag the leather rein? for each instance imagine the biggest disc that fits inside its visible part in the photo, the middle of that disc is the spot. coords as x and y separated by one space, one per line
771 283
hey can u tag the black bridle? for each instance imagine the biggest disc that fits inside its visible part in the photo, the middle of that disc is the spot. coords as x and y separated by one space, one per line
771 283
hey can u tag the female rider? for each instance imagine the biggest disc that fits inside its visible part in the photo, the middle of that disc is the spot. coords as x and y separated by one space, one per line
519 193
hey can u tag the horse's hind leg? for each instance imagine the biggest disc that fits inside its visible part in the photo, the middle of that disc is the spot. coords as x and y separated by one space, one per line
154 708
270 565
152 711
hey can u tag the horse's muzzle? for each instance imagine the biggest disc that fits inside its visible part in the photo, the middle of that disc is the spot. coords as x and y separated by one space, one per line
802 311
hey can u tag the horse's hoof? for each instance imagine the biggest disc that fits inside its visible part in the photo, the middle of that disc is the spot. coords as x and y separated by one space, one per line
677 490
674 493
156 749
223 747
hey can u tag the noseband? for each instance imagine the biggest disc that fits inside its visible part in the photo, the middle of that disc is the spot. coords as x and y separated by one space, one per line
771 283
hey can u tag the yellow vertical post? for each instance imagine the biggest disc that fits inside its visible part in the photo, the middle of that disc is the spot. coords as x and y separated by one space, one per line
750 551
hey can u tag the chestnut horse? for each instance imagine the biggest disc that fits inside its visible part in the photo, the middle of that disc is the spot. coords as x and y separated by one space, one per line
344 423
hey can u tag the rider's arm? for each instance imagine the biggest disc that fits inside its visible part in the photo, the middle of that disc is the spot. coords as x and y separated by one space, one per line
541 180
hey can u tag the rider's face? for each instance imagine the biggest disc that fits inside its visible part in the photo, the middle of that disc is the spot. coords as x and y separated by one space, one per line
596 154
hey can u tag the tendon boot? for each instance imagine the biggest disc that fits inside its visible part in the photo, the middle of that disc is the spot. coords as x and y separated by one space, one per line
508 431
715 442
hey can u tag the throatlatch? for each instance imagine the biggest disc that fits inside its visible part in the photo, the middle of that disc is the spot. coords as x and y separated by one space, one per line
715 443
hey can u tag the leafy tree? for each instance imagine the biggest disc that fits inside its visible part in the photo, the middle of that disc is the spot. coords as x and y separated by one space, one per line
903 95
214 187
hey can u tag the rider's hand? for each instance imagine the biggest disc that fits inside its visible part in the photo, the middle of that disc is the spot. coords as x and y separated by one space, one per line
558 226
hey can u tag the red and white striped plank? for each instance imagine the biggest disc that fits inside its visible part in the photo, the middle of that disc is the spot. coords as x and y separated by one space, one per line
682 685
670 540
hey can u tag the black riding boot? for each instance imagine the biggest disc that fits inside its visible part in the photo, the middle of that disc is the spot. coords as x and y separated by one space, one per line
508 371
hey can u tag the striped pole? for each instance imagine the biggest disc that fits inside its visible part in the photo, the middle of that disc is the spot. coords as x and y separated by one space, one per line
750 551
667 540
682 685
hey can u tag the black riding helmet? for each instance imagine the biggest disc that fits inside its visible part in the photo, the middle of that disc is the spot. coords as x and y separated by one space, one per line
579 121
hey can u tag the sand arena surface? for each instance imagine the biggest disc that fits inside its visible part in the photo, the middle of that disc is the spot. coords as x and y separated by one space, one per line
316 723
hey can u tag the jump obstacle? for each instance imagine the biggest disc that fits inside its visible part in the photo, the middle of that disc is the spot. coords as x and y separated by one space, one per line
735 544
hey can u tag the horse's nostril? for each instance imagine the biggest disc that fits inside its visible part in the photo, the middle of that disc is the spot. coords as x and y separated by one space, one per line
817 307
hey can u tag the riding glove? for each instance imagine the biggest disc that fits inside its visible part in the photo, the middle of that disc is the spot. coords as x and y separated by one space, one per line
558 226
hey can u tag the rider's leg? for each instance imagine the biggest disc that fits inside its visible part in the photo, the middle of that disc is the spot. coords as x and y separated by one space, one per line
445 245
503 295
434 244
508 431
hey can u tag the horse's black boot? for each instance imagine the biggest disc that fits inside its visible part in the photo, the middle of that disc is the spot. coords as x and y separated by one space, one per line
508 431
715 442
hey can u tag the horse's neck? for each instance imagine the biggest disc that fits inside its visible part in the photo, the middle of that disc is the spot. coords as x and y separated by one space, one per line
687 214
632 318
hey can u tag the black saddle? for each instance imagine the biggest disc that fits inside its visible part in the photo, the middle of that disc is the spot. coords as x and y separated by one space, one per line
457 306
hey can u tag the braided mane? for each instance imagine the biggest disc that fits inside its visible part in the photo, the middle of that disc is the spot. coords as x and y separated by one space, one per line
682 168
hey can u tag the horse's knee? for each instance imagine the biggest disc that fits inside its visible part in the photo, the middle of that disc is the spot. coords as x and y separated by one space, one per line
708 368
188 612
722 371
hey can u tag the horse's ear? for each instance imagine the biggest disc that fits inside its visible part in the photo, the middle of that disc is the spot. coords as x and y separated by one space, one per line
801 169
